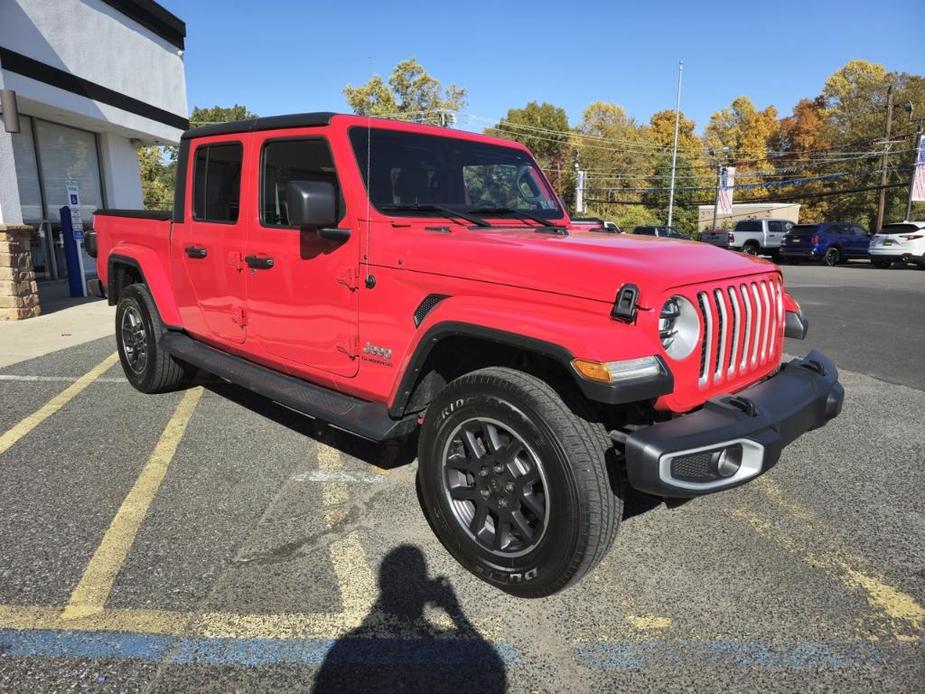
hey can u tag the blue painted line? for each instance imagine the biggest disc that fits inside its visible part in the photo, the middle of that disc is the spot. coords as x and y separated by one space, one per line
633 655
252 652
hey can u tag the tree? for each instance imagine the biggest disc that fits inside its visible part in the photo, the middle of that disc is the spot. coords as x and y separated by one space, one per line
158 164
545 130
411 94
742 128
661 131
219 114
687 194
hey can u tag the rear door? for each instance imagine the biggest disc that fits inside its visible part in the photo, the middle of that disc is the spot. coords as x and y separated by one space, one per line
208 246
860 241
302 290
775 234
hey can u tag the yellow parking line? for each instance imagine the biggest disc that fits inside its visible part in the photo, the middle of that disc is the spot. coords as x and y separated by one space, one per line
333 494
905 617
56 403
93 590
140 621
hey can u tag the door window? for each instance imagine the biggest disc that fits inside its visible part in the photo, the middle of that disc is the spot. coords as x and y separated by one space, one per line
217 182
292 160
774 227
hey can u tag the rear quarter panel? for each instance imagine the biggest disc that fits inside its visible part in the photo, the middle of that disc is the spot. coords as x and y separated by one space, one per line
147 243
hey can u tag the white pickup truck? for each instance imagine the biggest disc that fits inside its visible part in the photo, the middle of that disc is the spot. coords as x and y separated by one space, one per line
751 236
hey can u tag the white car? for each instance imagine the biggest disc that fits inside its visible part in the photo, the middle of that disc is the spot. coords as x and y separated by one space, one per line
903 242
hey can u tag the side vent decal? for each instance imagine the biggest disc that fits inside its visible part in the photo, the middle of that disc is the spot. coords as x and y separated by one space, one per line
426 306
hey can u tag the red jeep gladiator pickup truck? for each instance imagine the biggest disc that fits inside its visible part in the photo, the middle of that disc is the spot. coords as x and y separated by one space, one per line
395 279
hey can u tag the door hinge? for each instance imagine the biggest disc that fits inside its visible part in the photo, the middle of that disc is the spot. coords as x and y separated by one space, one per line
349 278
349 346
239 316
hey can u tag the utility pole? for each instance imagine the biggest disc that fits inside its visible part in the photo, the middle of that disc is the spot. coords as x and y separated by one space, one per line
674 153
886 156
915 164
579 189
719 175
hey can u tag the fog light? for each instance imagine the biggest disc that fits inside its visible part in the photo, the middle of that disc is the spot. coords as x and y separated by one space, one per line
728 461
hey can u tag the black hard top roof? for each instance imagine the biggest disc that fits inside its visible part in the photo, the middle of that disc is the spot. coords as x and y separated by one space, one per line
294 120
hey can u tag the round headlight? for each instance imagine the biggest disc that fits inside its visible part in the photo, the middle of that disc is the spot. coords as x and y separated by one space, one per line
678 327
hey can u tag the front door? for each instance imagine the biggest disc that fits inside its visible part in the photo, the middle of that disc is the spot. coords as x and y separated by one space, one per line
208 247
302 290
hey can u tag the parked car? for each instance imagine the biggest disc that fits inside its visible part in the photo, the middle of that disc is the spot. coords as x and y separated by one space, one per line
384 277
751 236
661 232
595 224
899 243
830 243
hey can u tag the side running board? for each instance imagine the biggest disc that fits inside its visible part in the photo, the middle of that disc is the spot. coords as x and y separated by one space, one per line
367 419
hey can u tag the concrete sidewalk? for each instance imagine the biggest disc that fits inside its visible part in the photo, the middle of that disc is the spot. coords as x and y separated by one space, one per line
65 323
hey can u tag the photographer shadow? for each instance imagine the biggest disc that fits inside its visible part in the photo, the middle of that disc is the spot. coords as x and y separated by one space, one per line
397 649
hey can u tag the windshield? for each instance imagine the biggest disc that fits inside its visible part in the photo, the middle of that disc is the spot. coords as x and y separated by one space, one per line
899 229
804 229
410 169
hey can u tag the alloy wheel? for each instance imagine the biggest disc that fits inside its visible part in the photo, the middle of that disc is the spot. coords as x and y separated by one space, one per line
134 343
496 487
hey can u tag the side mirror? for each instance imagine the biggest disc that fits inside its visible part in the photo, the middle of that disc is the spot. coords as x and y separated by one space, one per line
311 204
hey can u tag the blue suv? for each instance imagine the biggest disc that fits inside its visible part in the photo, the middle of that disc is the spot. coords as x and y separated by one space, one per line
830 242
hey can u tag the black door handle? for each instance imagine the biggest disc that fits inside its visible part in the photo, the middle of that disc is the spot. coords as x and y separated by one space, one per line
196 251
259 262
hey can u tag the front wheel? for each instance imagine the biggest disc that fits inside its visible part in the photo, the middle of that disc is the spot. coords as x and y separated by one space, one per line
515 483
831 257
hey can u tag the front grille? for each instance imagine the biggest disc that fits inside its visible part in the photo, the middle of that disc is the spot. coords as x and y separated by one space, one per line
742 323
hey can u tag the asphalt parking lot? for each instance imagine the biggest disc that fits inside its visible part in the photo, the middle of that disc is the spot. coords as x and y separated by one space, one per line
211 540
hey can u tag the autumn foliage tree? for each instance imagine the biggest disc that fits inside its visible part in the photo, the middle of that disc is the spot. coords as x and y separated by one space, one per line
410 93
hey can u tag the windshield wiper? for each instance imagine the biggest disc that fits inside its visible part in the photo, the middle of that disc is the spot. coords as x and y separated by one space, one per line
444 212
516 213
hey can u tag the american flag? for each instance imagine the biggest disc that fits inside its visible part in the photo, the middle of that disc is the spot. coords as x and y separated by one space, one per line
918 178
727 177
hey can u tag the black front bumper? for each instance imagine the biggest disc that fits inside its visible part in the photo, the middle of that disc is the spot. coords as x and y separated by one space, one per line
674 458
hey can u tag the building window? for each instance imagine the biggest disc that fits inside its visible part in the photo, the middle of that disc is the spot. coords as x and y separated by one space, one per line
27 173
67 153
217 181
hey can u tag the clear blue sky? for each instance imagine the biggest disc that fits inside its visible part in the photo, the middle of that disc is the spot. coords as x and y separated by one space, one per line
277 57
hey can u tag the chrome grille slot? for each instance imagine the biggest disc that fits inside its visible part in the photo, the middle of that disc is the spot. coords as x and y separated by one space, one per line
706 347
721 335
766 324
736 330
759 325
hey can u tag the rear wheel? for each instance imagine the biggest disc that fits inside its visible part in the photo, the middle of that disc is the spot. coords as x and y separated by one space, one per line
881 263
750 248
831 257
515 483
138 329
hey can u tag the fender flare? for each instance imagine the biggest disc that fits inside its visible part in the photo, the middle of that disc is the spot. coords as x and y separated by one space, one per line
154 276
611 394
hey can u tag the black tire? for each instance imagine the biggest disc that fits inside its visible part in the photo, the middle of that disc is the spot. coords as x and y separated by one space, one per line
583 505
831 257
138 329
751 248
882 263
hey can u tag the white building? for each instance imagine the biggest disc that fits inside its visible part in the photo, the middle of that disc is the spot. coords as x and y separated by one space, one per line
748 210
94 80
